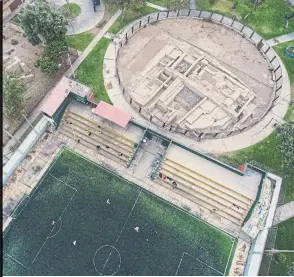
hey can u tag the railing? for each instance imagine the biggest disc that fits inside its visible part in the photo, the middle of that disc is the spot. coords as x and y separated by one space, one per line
263 47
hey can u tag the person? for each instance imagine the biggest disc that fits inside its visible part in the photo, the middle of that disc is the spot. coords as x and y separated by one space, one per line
153 232
98 147
94 7
236 206
79 140
89 133
120 154
174 184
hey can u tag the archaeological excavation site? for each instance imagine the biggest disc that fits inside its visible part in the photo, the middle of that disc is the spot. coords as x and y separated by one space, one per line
196 78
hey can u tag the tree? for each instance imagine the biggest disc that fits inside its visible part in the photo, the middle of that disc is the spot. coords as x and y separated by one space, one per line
13 92
49 62
286 146
40 22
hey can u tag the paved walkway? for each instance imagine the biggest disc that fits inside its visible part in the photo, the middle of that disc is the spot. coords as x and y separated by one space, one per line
156 6
281 39
93 43
284 212
87 20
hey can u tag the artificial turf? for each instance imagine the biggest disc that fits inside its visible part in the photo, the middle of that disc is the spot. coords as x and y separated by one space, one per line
91 237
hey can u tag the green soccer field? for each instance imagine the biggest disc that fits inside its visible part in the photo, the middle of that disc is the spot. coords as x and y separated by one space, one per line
81 220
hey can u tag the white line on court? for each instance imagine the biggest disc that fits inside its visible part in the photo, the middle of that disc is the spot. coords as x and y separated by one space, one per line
25 197
50 237
63 182
229 256
16 261
180 263
203 263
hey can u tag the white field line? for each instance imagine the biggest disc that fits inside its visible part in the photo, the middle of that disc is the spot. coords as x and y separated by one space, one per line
229 257
63 182
25 197
122 229
171 204
204 263
16 261
128 216
53 228
180 263
50 237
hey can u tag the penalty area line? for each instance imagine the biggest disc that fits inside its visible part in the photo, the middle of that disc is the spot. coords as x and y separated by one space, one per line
16 261
180 263
232 246
204 263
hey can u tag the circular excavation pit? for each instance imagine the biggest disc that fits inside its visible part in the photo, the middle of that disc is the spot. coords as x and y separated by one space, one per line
196 78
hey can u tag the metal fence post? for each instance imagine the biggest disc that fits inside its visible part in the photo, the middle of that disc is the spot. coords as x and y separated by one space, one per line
222 19
189 12
273 59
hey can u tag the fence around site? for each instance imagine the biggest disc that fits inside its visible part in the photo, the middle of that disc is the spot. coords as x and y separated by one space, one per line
246 32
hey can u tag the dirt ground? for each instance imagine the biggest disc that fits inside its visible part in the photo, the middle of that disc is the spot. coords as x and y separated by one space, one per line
217 42
42 83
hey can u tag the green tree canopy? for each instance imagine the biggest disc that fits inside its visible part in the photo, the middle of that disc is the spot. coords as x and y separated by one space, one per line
40 21
13 92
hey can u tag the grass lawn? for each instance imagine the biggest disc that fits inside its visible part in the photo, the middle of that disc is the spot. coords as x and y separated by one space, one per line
129 16
72 10
90 72
80 41
80 220
289 64
176 4
285 235
268 19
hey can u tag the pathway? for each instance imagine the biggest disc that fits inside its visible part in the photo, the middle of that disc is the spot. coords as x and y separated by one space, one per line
281 39
284 212
156 6
87 20
93 43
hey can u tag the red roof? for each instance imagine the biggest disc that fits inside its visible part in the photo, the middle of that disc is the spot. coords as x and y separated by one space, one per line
112 113
56 97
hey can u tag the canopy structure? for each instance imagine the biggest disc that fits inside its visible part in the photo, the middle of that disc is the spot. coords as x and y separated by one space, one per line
61 91
56 97
112 113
